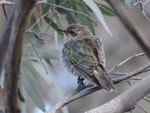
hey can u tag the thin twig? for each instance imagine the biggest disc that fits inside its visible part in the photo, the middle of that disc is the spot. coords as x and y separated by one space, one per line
56 6
146 99
67 9
126 60
142 5
126 101
141 108
39 20
148 96
135 78
38 56
39 35
130 25
4 11
134 73
88 91
4 2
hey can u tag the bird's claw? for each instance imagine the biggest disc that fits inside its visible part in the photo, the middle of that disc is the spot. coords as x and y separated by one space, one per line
81 81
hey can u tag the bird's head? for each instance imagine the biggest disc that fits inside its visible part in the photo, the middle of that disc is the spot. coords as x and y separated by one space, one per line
75 31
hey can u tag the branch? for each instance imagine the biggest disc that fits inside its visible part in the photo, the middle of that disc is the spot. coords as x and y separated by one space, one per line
127 100
126 60
143 5
4 2
55 6
88 91
67 9
141 108
11 45
130 25
132 74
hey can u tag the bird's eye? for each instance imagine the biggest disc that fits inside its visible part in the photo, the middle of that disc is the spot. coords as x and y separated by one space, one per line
73 32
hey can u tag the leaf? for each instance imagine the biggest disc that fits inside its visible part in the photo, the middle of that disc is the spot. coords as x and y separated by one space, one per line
123 1
31 89
48 77
71 18
45 8
106 10
83 19
93 6
53 24
32 21
1 111
37 13
45 51
37 69
48 52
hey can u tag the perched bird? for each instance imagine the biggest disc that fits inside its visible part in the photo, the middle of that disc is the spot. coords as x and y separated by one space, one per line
83 55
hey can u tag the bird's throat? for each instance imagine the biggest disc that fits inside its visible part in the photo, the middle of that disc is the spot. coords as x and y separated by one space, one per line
66 39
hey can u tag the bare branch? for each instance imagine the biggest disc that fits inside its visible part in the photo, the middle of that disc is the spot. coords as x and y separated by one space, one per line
130 25
11 44
146 99
56 6
36 52
4 2
67 9
143 5
126 60
88 91
41 17
41 36
141 108
127 100
134 73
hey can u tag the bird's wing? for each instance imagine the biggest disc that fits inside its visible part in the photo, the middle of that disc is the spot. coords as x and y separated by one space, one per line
84 48
82 55
92 61
99 51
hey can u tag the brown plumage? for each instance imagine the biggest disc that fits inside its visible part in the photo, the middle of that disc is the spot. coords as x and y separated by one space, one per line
83 55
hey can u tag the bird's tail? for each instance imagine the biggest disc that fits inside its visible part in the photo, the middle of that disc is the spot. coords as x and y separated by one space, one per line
104 79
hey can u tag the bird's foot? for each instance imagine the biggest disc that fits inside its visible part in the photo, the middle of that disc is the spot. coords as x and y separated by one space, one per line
81 81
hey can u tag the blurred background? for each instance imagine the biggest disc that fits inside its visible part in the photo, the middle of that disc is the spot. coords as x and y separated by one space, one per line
50 81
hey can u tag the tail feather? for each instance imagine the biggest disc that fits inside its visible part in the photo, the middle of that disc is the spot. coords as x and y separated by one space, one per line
104 80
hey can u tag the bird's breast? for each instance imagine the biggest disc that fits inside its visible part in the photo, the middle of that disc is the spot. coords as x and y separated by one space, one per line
67 56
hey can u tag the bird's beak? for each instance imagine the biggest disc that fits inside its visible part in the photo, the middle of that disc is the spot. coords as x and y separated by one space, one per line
61 30
66 35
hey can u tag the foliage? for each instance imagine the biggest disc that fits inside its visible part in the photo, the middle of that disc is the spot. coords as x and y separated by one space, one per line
38 55
51 14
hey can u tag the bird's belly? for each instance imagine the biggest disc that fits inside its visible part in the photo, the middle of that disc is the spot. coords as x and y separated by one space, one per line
66 63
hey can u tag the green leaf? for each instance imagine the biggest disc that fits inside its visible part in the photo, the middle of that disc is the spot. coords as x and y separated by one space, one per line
45 8
48 77
53 24
106 10
1 111
48 52
32 21
71 18
37 69
123 1
31 89
45 51
83 19
93 6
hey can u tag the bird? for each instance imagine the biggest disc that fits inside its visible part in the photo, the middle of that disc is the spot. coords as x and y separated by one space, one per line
83 55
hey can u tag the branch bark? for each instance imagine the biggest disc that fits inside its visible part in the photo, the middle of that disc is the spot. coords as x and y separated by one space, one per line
11 51
130 25
88 91
126 101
